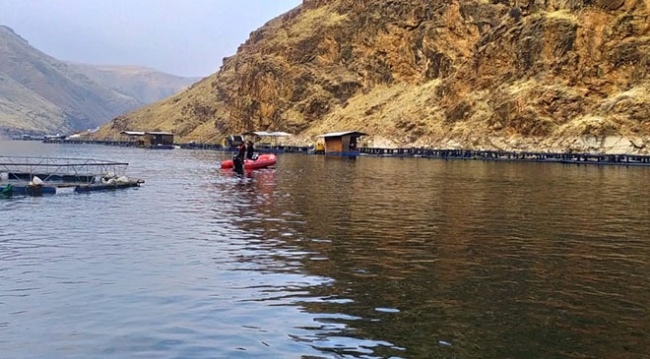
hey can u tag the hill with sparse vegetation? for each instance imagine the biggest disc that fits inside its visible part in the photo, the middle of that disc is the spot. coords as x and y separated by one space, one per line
561 75
42 95
142 83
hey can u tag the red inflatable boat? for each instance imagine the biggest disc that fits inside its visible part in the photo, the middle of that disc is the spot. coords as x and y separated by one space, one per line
262 161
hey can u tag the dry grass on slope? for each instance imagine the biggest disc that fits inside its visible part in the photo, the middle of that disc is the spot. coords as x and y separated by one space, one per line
176 114
443 74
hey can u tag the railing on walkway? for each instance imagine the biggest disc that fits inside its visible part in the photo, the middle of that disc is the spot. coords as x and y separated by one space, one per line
188 145
507 156
259 148
488 155
92 142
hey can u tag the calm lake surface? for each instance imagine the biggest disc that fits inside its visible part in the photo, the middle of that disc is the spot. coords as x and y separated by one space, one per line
328 257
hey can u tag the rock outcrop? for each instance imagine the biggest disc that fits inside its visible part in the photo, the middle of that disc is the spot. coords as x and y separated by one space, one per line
557 75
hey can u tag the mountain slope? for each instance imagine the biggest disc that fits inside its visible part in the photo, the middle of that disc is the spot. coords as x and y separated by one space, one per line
144 84
552 74
86 103
18 103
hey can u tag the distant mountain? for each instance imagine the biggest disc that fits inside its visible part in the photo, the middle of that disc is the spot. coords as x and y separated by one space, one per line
24 111
41 95
142 83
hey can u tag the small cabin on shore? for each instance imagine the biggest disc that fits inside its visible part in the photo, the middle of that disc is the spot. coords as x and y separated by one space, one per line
341 142
150 139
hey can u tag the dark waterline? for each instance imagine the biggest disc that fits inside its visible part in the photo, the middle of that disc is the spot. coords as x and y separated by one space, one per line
328 257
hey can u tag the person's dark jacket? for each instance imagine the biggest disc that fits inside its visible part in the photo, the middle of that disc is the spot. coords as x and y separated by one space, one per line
249 151
241 153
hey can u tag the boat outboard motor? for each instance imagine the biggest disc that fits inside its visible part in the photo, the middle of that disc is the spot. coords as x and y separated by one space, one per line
238 164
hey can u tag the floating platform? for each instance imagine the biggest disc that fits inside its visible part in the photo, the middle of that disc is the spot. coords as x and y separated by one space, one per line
37 176
27 190
106 187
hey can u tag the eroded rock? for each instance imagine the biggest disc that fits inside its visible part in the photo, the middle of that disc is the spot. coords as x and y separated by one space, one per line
543 72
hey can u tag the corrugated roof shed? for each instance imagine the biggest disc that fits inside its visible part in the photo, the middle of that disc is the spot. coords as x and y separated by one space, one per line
345 133
132 133
159 133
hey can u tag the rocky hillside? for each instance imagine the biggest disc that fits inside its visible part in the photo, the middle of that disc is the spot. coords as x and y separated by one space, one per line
144 84
506 74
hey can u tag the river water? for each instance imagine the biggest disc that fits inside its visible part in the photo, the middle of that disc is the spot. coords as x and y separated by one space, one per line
327 257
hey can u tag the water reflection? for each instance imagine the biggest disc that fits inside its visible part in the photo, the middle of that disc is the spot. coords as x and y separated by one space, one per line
326 257
454 259
279 247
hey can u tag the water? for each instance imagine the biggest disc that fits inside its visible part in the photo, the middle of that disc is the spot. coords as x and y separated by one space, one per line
328 258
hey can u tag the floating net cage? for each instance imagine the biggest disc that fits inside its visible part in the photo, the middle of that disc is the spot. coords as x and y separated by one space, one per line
53 169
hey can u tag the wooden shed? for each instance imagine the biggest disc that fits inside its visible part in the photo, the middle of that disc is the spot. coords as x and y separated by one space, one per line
159 139
133 136
341 142
150 139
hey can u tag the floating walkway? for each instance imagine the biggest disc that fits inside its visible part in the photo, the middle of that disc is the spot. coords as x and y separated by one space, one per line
447 154
36 176
188 146
569 158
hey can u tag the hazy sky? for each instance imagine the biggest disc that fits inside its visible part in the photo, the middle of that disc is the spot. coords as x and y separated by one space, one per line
182 37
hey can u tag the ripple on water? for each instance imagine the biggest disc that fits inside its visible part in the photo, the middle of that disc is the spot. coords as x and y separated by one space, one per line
387 310
379 258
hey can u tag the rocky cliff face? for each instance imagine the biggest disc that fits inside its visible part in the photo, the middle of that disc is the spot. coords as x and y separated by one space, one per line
506 74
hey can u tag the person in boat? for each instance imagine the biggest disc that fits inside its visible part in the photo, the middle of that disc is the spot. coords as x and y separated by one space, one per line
250 151
238 160
241 151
